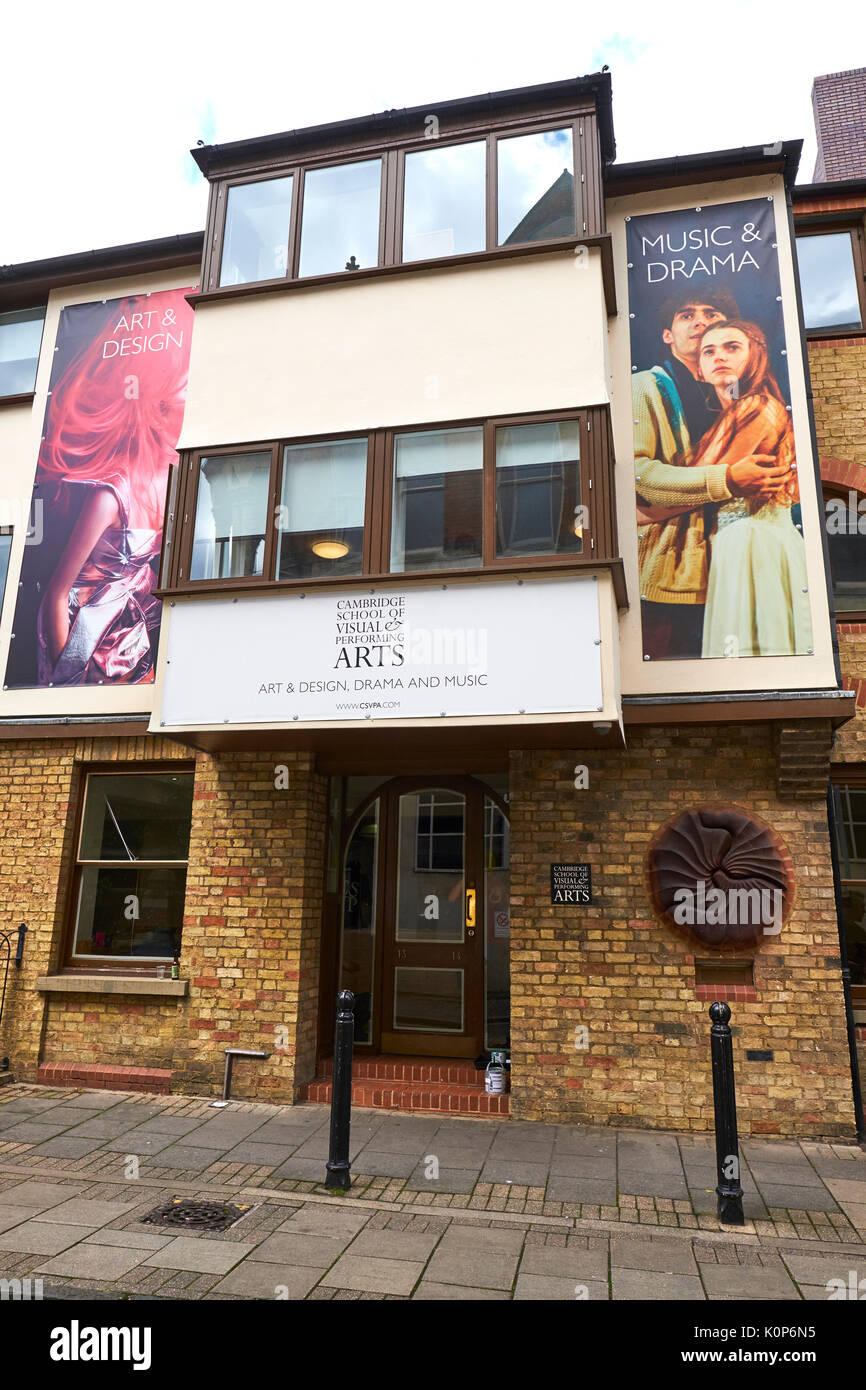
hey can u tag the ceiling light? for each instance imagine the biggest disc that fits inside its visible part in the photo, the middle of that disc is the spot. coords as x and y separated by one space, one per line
330 550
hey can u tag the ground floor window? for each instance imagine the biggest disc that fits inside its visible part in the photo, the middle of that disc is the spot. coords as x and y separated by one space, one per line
130 873
851 847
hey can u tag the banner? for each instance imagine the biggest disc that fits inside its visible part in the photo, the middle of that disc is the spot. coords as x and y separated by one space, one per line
85 613
720 545
515 647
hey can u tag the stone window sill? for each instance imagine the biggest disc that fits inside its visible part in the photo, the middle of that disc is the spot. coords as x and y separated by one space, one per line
110 984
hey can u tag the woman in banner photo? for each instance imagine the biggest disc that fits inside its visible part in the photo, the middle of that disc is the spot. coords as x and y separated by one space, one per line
757 600
115 422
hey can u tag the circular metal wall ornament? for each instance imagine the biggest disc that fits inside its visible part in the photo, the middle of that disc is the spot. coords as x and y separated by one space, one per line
720 874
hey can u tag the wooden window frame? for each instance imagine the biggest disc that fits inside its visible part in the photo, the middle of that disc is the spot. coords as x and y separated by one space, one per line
588 197
851 775
106 965
831 227
597 496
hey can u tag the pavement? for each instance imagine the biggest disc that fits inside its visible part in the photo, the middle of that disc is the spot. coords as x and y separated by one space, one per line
439 1208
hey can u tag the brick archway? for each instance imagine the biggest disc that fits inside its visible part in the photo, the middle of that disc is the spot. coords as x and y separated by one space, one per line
843 474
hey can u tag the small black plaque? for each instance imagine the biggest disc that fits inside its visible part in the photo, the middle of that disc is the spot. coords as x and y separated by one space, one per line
570 883
754 1054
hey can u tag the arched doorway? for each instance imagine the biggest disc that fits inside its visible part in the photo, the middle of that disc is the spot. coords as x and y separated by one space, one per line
425 924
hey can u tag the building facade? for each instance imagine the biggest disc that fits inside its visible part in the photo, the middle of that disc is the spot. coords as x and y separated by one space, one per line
485 664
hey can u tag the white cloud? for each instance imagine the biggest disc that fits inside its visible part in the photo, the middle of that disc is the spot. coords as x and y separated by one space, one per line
101 102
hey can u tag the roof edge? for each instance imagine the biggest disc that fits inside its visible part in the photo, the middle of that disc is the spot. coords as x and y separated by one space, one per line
782 156
92 265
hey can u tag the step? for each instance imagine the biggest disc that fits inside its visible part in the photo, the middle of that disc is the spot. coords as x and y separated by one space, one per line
454 1070
99 1077
437 1097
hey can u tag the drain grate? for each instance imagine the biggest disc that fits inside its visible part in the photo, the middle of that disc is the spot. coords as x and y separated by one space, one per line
196 1216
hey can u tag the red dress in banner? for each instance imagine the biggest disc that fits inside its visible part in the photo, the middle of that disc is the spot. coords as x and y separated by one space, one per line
112 612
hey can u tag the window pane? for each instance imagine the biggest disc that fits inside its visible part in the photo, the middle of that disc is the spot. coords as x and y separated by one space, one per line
535 189
428 1000
231 516
20 340
443 204
436 520
851 830
321 519
828 281
538 490
256 242
497 925
854 919
5 552
131 912
848 570
139 817
340 222
430 896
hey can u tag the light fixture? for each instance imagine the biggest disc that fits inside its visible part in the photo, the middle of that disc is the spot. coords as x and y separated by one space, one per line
330 550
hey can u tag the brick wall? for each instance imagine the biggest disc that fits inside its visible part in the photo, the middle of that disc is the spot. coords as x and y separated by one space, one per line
614 968
839 108
251 927
837 367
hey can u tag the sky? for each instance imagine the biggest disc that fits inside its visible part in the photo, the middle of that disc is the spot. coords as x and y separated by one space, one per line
101 102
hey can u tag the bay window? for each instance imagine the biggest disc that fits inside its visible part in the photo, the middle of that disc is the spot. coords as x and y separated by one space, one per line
444 201
437 503
231 516
20 341
535 187
538 495
321 514
256 241
340 218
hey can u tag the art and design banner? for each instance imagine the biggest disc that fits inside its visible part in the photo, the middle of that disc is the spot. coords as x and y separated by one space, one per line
85 613
720 545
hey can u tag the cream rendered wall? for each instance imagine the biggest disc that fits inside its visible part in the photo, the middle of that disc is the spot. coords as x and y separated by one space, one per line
20 437
523 334
641 677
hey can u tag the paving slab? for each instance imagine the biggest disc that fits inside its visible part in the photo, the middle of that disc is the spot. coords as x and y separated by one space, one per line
580 1165
65 1146
395 1245
255 1279
559 1288
848 1192
302 1248
748 1282
429 1291
133 1239
184 1157
88 1261
632 1284
169 1124
797 1198
373 1275
304 1169
566 1262
818 1269
262 1155
384 1165
227 1130
135 1141
105 1126
93 1100
650 1183
596 1191
41 1195
88 1211
199 1254
32 1131
658 1256
327 1220
482 1258
518 1171
459 1180
42 1237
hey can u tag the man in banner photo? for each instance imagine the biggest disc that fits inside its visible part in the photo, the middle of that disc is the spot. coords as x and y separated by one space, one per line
86 614
686 491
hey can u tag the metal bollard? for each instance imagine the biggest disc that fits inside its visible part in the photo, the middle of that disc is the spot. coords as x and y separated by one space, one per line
338 1175
729 1190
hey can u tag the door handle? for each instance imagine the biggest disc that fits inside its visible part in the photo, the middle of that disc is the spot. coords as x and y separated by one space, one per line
470 907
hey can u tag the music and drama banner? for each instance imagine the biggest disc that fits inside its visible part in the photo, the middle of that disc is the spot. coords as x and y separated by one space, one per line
720 544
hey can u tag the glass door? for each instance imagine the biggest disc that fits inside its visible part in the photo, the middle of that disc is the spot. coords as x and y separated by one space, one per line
433 975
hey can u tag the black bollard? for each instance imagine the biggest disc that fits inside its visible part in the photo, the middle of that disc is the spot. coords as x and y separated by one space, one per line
729 1190
338 1175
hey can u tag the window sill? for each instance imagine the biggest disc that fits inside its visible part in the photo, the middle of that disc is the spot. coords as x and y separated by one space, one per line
500 253
829 335
22 398
110 984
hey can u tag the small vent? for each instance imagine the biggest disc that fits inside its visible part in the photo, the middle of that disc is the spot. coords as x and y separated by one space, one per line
724 972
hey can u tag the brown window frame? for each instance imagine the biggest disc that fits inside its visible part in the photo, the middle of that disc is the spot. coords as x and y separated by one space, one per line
588 201
835 490
106 965
830 227
852 775
597 496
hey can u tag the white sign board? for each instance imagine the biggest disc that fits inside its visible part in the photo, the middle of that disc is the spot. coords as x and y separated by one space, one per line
511 647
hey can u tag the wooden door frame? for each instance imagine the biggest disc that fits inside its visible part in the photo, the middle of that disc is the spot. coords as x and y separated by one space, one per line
388 793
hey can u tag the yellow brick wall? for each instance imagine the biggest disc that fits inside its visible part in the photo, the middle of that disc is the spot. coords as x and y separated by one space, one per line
613 967
838 372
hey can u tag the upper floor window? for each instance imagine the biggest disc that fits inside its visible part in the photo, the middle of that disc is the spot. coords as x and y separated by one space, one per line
20 341
256 241
831 280
406 501
454 198
846 547
5 552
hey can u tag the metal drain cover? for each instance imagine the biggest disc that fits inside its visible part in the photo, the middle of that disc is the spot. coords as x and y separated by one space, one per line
196 1216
